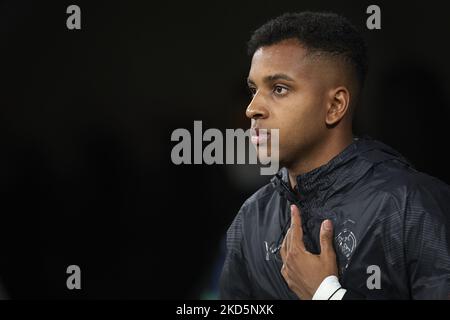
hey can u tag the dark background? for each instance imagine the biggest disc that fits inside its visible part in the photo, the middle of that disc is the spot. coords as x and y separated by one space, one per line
86 119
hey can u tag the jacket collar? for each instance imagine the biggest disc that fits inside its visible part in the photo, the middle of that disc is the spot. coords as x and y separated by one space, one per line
317 185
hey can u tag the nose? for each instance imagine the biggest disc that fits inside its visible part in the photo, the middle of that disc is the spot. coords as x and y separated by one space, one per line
257 108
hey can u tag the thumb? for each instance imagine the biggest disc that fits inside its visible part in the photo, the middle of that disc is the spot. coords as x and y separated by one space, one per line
326 237
296 231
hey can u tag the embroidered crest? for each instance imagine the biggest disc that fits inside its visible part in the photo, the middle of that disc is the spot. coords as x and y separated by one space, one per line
346 242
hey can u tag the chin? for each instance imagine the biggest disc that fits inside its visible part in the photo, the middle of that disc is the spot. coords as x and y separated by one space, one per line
264 154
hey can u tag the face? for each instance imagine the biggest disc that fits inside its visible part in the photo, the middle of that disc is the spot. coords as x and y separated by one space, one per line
290 92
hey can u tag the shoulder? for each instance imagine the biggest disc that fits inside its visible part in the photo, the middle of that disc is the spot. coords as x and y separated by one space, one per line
257 202
392 173
262 195
412 190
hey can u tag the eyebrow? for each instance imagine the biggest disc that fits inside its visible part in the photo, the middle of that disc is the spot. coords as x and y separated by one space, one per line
273 77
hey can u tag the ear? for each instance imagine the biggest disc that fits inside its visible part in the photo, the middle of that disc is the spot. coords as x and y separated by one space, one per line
338 106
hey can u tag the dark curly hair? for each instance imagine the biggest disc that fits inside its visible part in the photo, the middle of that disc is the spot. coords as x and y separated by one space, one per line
319 32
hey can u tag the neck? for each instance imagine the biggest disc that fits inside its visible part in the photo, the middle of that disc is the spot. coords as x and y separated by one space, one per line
319 155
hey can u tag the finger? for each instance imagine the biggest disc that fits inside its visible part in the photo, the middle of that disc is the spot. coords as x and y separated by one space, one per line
326 237
283 250
288 240
296 226
284 272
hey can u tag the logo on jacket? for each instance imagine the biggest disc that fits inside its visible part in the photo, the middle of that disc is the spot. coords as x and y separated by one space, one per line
346 242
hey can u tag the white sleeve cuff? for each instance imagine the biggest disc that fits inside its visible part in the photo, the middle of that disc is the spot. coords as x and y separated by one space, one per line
329 286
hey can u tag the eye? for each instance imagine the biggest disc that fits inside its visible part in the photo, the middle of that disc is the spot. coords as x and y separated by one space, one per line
280 90
252 90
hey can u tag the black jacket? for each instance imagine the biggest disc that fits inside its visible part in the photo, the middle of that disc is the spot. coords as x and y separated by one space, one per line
384 212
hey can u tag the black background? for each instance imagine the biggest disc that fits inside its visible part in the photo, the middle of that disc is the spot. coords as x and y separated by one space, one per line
86 118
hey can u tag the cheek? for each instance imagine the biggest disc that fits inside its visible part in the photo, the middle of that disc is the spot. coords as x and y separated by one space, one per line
302 120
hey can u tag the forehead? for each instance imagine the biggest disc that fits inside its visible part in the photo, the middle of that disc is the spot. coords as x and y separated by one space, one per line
287 56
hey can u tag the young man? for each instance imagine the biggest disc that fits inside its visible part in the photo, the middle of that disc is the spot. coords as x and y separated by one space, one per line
345 217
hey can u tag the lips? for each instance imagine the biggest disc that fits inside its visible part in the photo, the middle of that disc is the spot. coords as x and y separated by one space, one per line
259 136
